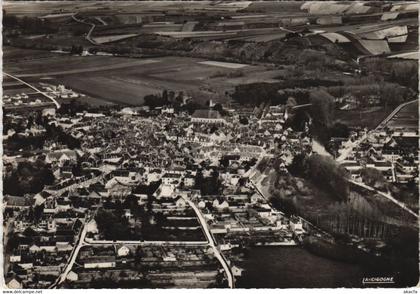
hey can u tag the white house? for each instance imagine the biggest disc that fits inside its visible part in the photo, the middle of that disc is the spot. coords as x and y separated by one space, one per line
15 258
72 276
123 251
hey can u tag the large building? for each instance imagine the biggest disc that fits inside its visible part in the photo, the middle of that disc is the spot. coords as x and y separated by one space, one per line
207 116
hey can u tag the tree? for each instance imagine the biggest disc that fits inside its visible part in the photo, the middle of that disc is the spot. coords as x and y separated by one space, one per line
327 175
218 107
339 130
243 120
165 95
298 166
291 102
111 226
322 107
30 122
28 177
374 178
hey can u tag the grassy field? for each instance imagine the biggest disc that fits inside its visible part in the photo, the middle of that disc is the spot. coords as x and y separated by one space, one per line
365 118
128 80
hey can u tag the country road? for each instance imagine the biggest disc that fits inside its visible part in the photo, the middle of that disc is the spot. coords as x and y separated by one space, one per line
90 30
394 112
35 89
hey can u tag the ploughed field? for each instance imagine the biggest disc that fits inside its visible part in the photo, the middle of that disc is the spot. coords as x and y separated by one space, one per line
128 80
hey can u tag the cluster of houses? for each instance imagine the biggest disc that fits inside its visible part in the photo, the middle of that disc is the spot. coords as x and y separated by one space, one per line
246 215
60 91
18 95
122 155
159 265
394 153
27 98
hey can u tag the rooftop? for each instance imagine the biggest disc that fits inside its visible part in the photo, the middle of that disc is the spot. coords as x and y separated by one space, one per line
206 113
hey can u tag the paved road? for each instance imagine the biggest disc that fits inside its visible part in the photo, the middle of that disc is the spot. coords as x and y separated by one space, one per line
212 244
36 89
394 112
72 258
133 242
344 153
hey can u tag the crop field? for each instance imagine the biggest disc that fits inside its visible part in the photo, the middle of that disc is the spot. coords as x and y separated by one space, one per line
35 9
369 118
128 80
60 64
11 54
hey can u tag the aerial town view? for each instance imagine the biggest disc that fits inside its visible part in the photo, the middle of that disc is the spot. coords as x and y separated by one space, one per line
210 144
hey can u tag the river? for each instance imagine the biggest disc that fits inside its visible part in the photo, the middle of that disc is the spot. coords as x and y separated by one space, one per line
295 267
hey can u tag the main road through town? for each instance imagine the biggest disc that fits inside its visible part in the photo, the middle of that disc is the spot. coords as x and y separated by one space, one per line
72 259
212 244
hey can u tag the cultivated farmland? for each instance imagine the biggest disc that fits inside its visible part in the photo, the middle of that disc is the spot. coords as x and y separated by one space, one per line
128 80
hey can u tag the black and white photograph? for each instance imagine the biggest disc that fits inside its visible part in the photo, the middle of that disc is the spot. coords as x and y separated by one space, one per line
210 144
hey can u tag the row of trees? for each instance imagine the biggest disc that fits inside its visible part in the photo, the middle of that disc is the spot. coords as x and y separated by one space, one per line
208 185
32 142
278 93
403 72
28 25
76 49
387 93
